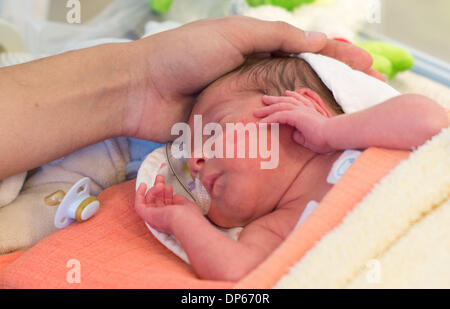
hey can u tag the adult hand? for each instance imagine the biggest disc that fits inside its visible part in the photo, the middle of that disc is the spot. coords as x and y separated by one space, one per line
179 63
57 105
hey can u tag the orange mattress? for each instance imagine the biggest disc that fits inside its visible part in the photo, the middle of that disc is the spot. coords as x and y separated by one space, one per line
116 250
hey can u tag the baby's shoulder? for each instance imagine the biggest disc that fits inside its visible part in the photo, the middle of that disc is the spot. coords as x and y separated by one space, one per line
281 221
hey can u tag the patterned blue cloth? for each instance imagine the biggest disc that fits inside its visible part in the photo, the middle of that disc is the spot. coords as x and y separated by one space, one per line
138 149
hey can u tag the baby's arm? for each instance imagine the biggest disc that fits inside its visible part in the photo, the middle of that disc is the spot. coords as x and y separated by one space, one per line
212 254
403 122
215 256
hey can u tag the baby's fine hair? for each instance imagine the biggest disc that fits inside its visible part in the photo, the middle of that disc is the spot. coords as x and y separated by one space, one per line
273 76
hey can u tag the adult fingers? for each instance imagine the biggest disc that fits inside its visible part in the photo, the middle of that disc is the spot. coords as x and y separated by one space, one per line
377 75
355 57
251 35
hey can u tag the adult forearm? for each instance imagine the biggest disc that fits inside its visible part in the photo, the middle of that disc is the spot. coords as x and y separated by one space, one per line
54 106
403 122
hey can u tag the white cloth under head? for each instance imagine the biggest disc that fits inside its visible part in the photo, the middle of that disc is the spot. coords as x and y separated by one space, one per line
353 90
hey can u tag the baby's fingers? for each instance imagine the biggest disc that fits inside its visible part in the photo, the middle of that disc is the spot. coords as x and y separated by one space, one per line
308 102
283 117
168 195
297 96
270 100
159 179
267 110
180 200
155 195
140 195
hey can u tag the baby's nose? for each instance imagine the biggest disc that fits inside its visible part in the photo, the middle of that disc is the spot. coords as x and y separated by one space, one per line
195 165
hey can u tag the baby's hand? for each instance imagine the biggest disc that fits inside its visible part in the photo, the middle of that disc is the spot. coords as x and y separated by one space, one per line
299 112
159 205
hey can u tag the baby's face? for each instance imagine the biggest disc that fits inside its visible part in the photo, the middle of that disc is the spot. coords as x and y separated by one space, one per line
240 189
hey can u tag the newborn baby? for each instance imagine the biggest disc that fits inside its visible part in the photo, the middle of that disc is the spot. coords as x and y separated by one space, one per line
268 203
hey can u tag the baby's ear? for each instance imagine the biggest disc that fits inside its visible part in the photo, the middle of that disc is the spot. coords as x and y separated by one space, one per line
319 105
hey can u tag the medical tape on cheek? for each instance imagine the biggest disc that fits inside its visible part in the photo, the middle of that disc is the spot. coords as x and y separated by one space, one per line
201 195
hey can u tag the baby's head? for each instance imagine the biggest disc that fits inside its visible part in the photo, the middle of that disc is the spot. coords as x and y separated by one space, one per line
240 189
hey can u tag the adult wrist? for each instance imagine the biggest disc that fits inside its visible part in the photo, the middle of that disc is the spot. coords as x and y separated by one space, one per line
124 85
138 58
60 104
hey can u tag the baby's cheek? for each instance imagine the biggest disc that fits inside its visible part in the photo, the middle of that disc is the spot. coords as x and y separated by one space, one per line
225 215
229 141
218 216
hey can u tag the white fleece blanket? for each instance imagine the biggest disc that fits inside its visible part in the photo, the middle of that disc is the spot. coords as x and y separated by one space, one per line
25 217
398 236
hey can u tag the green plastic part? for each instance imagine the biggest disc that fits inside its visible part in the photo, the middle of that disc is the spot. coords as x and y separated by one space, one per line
289 5
382 64
400 59
161 6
